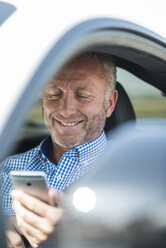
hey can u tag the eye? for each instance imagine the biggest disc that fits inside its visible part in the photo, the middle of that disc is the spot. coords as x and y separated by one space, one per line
82 96
58 94
55 95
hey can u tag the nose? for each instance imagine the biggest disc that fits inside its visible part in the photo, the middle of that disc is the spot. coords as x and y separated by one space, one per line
68 106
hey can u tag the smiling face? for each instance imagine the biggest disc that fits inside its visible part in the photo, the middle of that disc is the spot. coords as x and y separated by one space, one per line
74 103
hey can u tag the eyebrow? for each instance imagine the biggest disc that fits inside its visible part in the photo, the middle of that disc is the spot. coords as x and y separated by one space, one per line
83 88
52 86
77 89
73 76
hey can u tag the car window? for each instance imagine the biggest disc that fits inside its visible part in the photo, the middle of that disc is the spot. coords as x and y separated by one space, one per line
147 101
35 114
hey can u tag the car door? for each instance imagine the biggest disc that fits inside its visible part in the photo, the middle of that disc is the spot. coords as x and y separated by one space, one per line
134 48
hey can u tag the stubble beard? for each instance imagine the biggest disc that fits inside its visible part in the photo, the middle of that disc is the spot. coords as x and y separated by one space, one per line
91 131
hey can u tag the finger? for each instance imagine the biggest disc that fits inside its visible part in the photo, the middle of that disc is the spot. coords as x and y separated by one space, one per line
38 235
30 202
46 225
39 208
30 240
26 215
9 245
14 239
33 235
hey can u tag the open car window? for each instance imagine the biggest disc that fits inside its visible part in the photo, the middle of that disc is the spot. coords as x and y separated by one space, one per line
148 101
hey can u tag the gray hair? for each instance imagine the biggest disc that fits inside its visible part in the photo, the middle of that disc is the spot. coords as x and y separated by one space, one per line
107 64
109 68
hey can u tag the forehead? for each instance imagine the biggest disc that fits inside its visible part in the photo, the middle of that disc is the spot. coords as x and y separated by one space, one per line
83 66
85 72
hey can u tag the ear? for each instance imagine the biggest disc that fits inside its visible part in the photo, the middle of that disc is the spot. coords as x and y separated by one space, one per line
112 102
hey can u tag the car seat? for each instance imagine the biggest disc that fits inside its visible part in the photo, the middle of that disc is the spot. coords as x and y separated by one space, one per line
123 112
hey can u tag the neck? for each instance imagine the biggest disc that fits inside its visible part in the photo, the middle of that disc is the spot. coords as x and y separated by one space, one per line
57 153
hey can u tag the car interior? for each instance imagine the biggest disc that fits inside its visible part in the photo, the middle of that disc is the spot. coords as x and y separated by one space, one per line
124 110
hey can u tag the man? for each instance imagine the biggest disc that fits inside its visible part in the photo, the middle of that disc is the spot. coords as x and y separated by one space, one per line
75 106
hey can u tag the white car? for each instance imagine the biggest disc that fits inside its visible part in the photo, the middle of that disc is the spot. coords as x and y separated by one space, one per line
38 37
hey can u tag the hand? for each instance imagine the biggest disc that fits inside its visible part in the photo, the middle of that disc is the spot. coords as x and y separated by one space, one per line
12 233
36 219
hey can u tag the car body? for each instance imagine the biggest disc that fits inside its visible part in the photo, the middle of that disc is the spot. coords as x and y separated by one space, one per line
38 37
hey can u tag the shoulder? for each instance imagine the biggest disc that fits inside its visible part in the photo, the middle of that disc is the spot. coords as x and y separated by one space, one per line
16 161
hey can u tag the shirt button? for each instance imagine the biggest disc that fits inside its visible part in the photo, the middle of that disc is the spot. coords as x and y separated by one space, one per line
58 177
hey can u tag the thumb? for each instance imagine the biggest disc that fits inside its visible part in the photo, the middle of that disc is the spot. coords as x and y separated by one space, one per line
56 197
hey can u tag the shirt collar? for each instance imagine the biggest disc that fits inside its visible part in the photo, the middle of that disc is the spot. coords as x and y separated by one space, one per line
89 151
46 146
86 152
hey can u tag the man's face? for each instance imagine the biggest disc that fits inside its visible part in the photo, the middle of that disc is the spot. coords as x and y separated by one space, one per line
74 104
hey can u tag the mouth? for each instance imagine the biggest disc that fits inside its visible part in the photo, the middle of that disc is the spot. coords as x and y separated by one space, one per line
69 124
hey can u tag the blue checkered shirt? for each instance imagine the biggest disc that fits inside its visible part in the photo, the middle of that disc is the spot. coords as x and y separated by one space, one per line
73 164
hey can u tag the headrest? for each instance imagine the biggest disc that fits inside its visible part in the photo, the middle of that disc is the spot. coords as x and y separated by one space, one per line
123 112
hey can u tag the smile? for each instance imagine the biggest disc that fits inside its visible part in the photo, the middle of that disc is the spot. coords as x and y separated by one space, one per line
69 124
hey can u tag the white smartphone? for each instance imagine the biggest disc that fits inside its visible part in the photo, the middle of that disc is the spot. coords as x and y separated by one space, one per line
32 183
